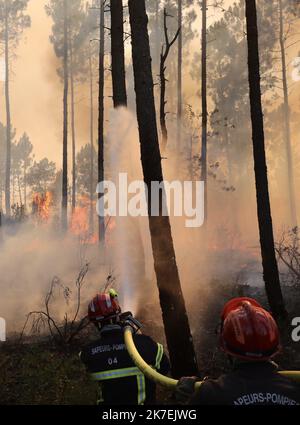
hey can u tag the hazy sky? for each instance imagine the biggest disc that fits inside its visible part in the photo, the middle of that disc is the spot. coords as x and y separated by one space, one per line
34 85
36 92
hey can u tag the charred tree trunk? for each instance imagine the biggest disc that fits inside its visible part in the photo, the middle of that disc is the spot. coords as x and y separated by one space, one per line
204 108
270 268
163 102
287 128
157 36
101 117
118 54
179 77
20 192
64 211
25 187
174 313
8 118
73 130
13 190
92 145
163 58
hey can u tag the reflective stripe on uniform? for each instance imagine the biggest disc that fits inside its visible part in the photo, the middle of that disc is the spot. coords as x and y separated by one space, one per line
141 389
100 395
116 373
160 352
124 373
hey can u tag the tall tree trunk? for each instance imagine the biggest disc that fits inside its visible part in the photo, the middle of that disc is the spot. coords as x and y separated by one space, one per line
157 37
233 207
287 128
8 118
101 117
25 187
20 192
179 77
204 108
190 166
163 59
270 268
13 190
92 144
174 313
73 130
64 210
163 102
118 54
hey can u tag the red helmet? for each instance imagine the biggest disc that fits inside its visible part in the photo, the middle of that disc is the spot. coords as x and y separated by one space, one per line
104 306
248 331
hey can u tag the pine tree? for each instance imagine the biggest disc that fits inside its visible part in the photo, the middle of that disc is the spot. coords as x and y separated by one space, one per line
118 54
270 268
13 21
179 340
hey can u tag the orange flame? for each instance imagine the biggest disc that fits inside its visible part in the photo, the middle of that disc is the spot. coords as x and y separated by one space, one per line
80 220
41 204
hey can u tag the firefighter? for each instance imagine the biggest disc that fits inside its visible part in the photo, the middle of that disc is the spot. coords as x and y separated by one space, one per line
250 337
107 360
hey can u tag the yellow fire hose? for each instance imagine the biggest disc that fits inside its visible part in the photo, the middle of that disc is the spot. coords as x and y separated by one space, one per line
153 375
147 370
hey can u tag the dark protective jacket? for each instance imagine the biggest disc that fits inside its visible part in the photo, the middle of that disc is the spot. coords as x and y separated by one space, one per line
120 381
249 384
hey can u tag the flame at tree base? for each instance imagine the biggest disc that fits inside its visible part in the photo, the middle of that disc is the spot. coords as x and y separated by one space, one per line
82 219
41 206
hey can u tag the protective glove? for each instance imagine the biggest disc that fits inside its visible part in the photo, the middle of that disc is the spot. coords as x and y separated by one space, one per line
185 389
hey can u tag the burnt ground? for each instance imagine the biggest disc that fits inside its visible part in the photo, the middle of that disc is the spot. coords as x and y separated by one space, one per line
35 371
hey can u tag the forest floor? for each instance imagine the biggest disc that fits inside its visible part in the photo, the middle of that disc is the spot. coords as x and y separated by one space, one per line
36 372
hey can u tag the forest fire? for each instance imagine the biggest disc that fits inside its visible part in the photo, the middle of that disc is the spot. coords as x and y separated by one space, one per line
41 206
81 221
148 205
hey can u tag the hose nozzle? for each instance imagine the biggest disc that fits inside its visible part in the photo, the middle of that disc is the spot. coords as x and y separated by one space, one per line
127 320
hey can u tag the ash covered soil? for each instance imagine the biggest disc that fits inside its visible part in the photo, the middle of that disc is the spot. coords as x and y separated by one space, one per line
35 371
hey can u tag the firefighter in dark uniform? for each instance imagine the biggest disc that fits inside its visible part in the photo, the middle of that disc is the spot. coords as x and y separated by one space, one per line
107 360
250 337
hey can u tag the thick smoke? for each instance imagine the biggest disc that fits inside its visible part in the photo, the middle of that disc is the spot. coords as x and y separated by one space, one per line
31 259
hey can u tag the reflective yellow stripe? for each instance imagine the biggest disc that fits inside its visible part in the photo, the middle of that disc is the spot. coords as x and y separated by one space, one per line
114 374
141 389
100 395
160 352
124 373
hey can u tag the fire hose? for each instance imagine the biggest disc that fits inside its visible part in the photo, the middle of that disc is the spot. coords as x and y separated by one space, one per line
131 326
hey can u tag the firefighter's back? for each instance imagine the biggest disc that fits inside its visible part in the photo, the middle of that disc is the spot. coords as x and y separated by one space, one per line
121 382
249 384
